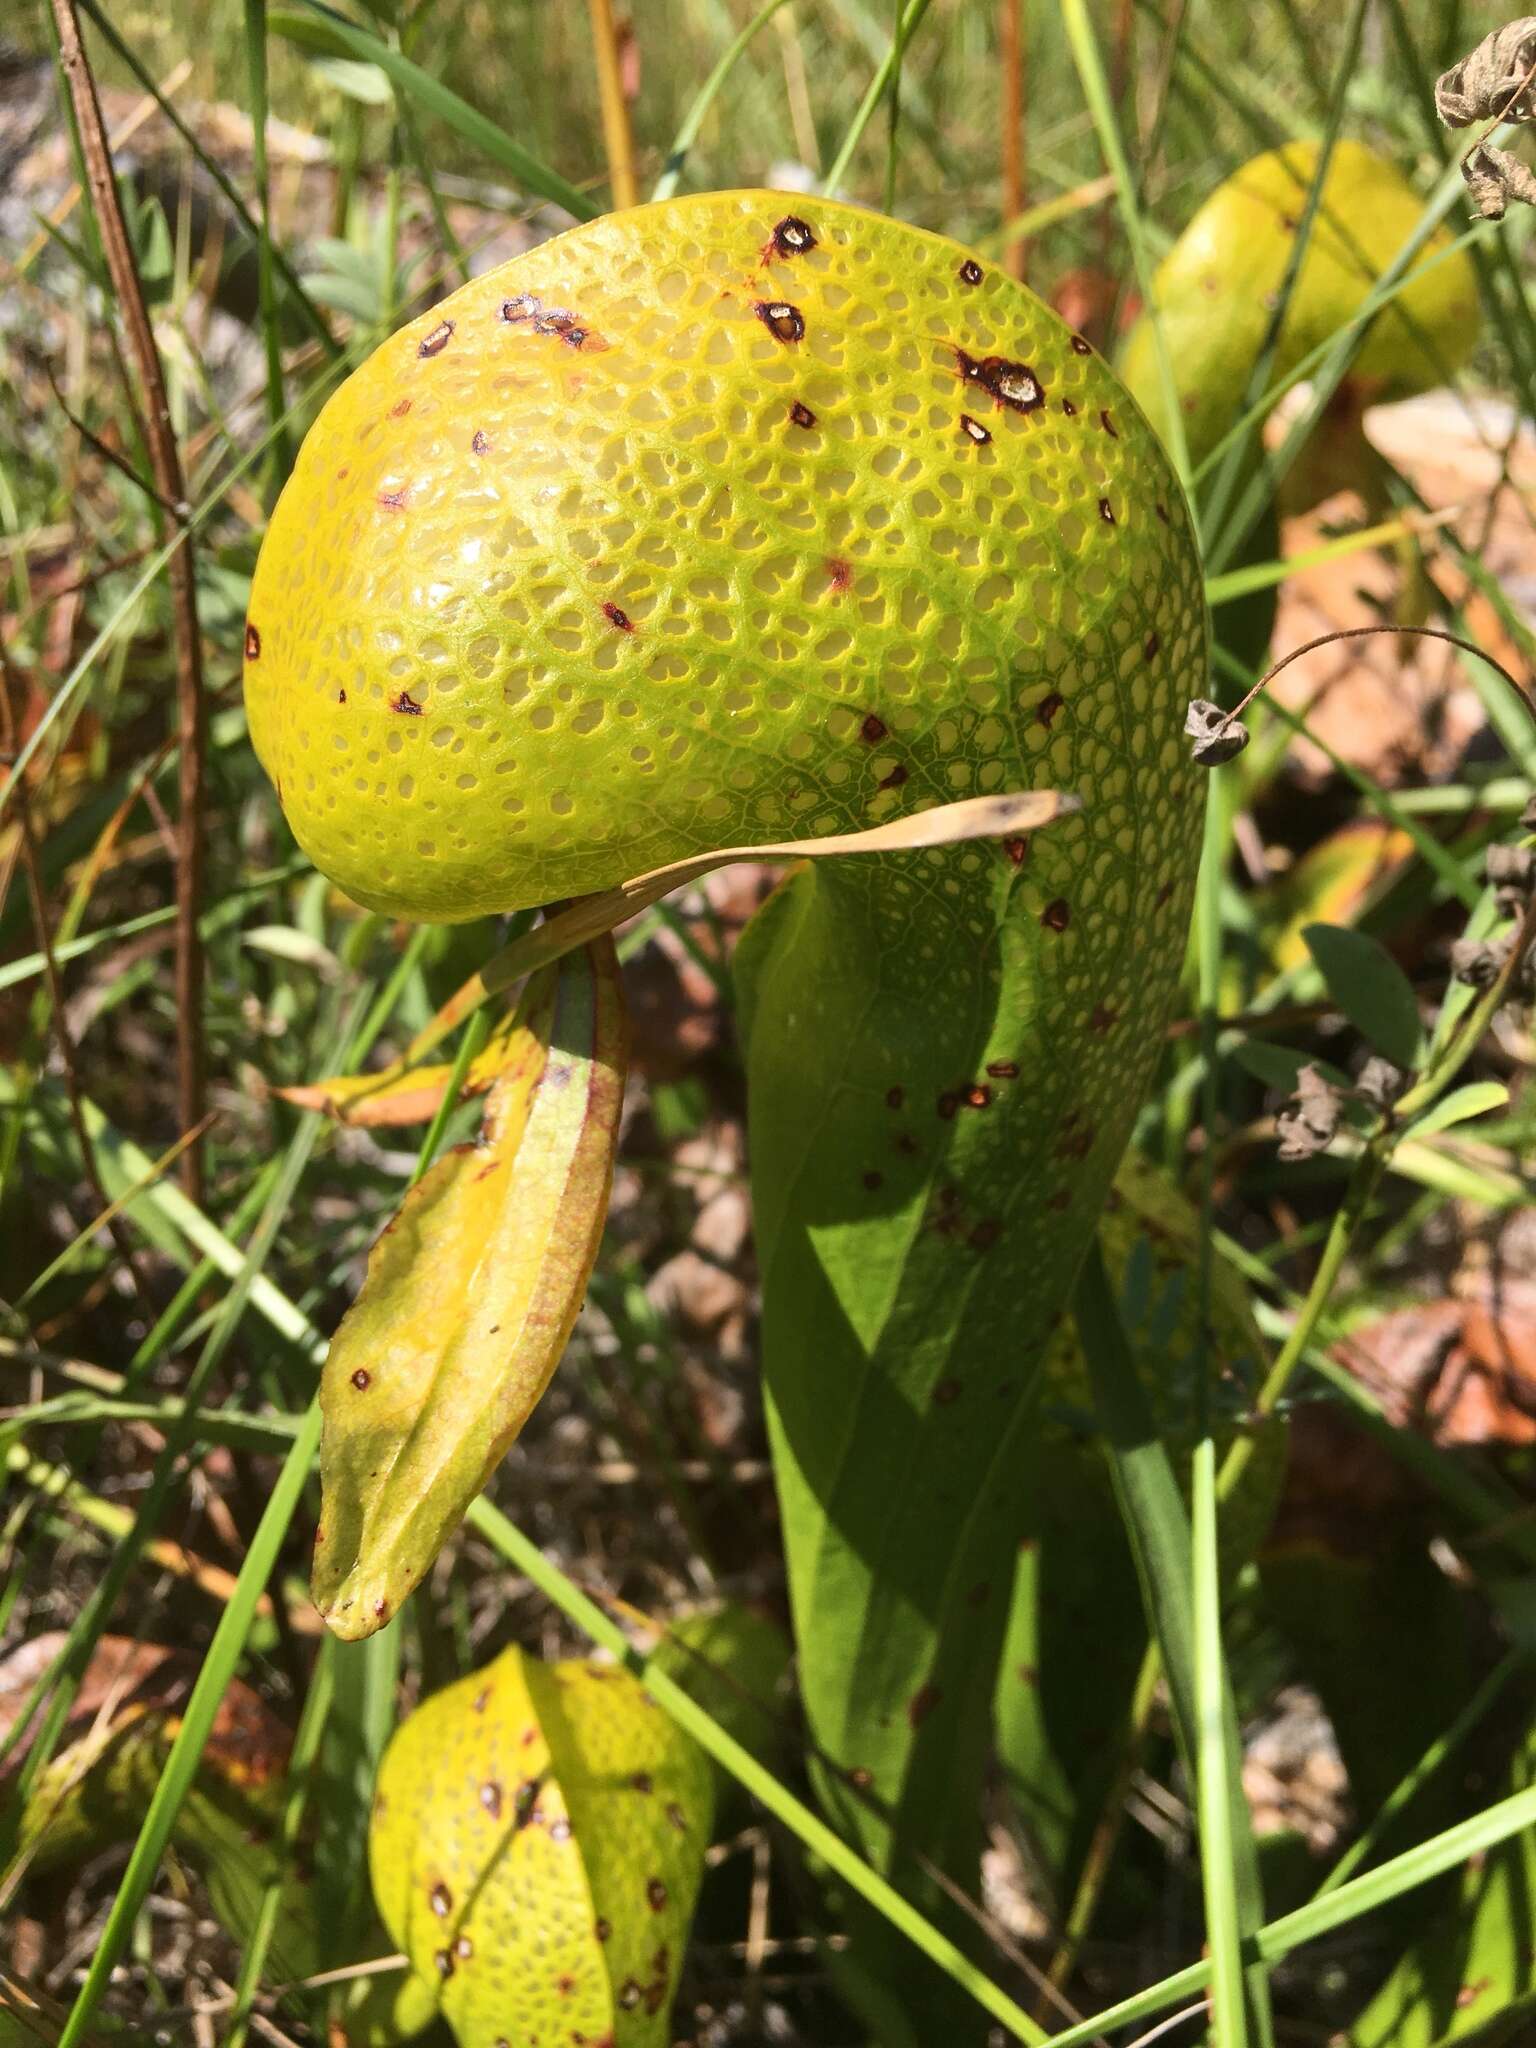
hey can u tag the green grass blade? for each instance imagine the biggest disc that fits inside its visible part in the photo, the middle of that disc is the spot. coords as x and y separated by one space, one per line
363 1718
1443 1747
704 99
1090 71
1226 479
879 86
1218 1866
311 314
307 1741
1329 375
1160 1538
320 28
1405 1873
224 1654
166 1470
73 686
256 76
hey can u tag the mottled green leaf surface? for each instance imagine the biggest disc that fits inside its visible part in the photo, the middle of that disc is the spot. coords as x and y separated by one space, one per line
469 1299
944 1056
537 1844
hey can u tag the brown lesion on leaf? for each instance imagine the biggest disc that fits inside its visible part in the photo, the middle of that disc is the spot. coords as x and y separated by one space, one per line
946 1393
978 1096
1016 848
434 343
443 1963
1047 708
362 1379
1003 1070
839 575
479 445
525 310
399 409
1080 347
618 617
677 1817
985 1234
873 730
895 779
440 1899
970 271
922 1703
1108 424
1057 914
974 430
873 1179
792 237
655 1894
407 703
252 642
1150 646
1069 408
341 696
783 321
1010 384
642 1782
1077 1143
490 1797
1106 512
801 415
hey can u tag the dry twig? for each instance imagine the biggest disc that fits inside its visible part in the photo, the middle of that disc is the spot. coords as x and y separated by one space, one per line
165 461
